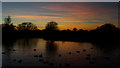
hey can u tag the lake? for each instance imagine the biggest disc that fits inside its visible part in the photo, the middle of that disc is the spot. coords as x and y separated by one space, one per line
40 52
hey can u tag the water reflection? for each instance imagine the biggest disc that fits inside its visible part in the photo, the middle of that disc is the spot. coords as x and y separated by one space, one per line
26 43
107 47
7 46
58 53
51 47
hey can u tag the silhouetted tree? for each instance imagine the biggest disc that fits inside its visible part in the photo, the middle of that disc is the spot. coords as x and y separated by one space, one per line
107 28
27 26
68 29
52 26
81 30
8 27
7 20
74 29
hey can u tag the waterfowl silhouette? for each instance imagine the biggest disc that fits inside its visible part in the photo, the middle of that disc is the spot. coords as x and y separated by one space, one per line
59 55
78 51
91 48
19 61
70 53
3 53
35 55
34 49
84 50
14 50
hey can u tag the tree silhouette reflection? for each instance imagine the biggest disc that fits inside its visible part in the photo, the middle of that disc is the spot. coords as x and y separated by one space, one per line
27 43
51 47
8 45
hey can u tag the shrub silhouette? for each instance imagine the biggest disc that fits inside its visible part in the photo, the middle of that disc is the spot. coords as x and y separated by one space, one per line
8 27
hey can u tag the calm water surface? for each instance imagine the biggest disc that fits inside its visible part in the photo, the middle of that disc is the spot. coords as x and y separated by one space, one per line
59 53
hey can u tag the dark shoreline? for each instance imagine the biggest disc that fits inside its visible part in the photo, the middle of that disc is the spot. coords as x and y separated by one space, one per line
97 37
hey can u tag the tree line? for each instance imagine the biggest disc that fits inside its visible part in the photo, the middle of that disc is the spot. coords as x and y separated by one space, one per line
29 26
27 29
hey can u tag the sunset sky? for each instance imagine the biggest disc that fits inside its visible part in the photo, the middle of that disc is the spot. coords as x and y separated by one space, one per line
82 15
60 0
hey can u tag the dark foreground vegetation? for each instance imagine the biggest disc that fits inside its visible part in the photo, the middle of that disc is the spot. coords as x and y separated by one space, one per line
104 33
107 32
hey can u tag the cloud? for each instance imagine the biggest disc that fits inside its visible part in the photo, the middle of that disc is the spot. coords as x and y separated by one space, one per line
67 15
82 10
35 17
